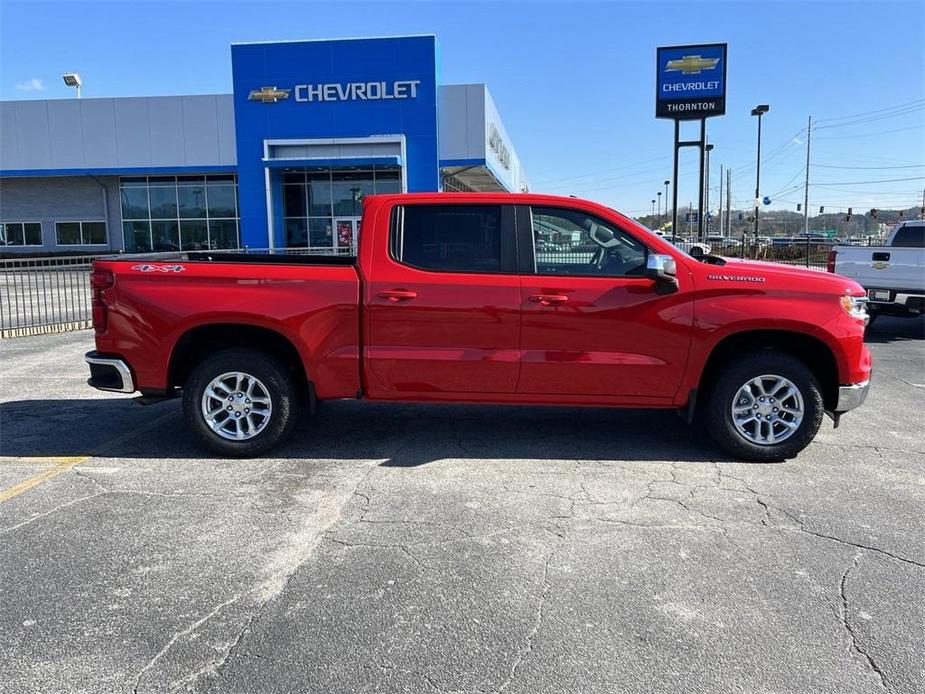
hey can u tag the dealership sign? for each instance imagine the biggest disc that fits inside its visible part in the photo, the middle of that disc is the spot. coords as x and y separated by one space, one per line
336 91
691 82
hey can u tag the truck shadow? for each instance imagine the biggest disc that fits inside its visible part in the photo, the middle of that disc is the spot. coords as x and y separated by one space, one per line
402 435
888 329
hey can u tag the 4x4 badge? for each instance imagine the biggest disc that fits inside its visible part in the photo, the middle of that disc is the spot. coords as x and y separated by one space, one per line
159 268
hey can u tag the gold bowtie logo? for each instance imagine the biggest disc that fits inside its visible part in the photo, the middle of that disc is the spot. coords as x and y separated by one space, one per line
268 95
691 64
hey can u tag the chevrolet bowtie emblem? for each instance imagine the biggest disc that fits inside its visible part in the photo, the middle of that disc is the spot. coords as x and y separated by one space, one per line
691 64
268 95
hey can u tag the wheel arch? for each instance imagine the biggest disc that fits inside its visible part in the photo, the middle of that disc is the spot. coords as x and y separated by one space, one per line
812 351
202 340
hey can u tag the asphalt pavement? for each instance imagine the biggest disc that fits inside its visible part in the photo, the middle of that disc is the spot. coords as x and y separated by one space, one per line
455 548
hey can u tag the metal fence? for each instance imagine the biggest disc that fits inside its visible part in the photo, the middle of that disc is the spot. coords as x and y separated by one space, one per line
43 295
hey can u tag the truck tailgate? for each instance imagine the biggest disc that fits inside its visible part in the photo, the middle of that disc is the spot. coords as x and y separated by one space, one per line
882 266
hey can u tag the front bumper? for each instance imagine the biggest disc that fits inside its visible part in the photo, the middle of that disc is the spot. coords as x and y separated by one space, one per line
109 373
851 396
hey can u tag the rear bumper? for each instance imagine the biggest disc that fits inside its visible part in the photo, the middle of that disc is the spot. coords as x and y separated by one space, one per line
109 373
852 396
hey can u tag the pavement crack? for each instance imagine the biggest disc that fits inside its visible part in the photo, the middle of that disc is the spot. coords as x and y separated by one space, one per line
527 646
846 622
49 512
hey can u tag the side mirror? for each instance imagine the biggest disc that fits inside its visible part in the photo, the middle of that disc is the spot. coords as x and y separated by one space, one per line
663 269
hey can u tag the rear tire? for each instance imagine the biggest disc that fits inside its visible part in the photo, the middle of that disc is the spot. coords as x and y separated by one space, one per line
766 406
240 402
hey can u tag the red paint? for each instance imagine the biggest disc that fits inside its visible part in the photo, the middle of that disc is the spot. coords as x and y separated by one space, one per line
400 333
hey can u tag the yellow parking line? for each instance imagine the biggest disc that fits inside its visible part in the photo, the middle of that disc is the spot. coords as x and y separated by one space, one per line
63 463
60 465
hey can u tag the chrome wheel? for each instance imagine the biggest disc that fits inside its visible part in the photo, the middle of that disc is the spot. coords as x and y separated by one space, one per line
767 410
236 406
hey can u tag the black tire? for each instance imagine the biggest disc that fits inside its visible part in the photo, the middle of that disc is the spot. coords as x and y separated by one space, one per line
872 318
275 378
716 414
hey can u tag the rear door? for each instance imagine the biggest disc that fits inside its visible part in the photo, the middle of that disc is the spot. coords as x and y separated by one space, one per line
592 322
443 303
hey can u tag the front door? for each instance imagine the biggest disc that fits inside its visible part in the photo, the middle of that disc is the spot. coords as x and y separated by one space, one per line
346 233
592 323
443 302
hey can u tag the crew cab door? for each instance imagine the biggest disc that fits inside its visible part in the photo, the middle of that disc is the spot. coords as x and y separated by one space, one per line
443 303
593 324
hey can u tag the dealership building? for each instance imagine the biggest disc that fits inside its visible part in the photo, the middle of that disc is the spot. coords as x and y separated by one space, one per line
282 162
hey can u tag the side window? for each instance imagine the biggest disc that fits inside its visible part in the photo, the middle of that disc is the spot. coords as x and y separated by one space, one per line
569 242
449 238
910 236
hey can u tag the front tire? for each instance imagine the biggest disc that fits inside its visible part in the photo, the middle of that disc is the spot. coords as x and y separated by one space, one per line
766 407
240 402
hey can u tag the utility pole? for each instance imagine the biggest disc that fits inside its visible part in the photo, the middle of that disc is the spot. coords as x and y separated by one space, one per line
720 212
809 131
706 189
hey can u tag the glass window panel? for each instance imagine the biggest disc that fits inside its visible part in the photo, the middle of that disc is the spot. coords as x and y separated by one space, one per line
319 194
223 233
220 178
163 202
348 190
68 233
569 242
94 232
296 232
294 200
910 236
457 238
165 236
388 182
221 199
134 202
190 179
192 200
133 181
11 234
194 236
320 232
162 180
137 236
33 234
298 177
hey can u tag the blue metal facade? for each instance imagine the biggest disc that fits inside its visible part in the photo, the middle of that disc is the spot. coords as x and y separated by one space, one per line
323 101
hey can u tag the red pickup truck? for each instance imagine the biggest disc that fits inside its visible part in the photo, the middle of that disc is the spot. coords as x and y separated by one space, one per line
484 298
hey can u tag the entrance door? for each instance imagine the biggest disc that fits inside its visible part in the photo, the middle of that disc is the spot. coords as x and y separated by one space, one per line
346 234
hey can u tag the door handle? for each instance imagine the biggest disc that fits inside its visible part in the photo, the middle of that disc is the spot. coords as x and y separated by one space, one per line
880 257
548 299
396 295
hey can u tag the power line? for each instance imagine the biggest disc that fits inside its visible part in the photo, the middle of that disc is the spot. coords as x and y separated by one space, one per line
870 113
865 168
864 183
881 132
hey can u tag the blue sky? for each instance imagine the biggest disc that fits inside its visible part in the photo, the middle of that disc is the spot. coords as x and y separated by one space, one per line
574 81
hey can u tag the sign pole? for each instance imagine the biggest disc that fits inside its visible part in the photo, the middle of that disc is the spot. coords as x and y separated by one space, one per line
700 196
674 179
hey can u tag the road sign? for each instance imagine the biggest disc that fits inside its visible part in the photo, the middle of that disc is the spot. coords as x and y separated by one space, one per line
691 81
766 200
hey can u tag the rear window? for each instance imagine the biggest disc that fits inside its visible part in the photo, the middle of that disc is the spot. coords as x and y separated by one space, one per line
910 236
449 238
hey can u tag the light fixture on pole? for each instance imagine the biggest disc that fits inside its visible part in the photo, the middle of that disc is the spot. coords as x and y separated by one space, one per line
759 111
653 209
72 79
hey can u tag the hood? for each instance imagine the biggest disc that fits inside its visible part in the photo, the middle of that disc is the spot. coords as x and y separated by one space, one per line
779 275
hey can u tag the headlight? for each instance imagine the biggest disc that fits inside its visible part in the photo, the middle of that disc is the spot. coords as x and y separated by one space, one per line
855 306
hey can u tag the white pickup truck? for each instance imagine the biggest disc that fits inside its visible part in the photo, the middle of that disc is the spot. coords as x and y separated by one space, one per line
893 275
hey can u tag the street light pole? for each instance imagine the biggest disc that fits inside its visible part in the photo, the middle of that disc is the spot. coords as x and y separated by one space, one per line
673 232
706 190
653 209
759 111
659 209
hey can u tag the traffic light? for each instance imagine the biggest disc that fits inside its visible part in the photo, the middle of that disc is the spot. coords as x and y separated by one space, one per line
822 209
873 213
740 217
848 217
799 207
900 214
